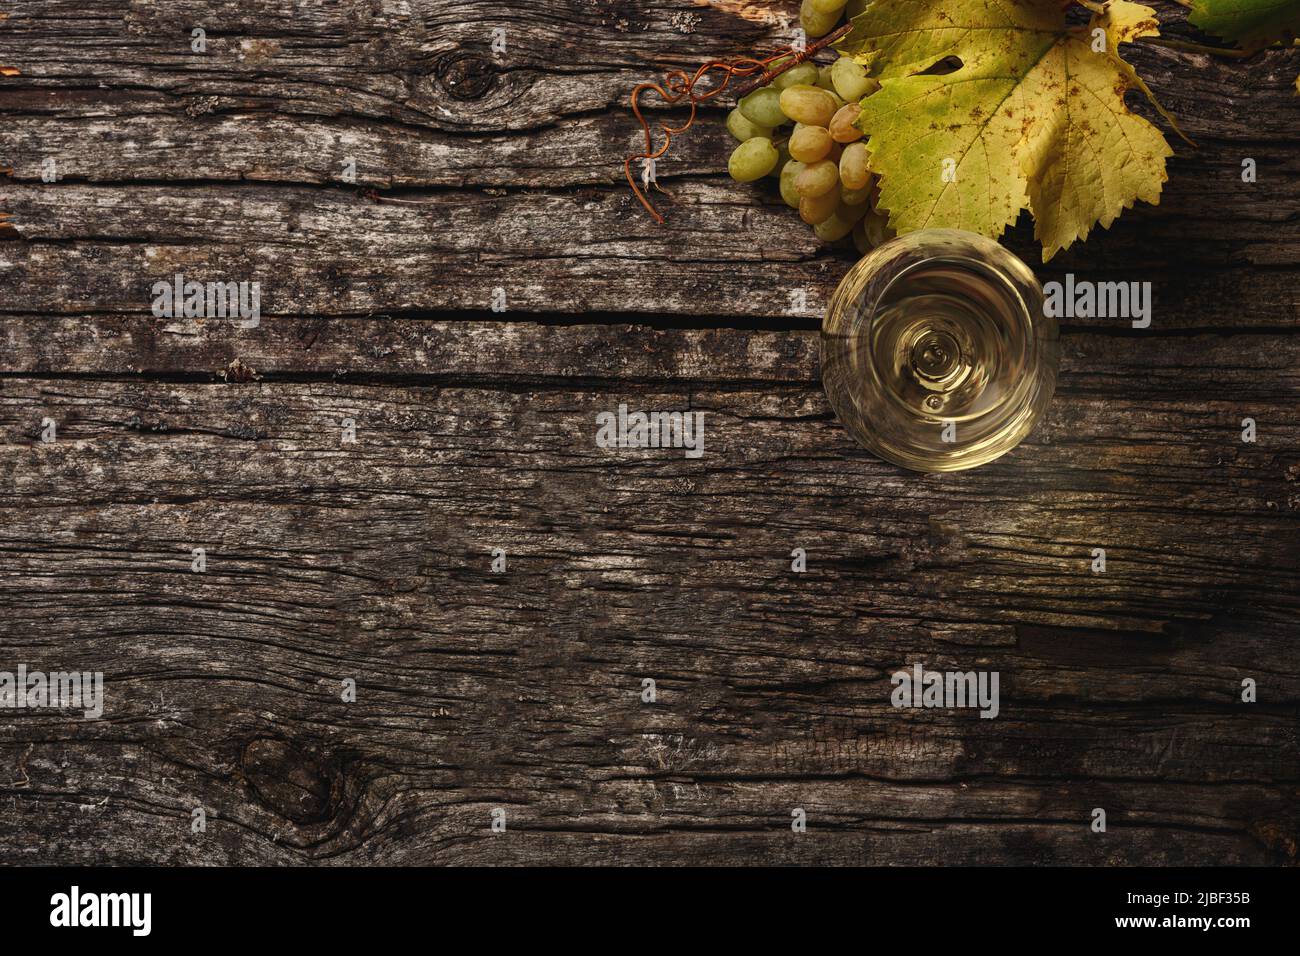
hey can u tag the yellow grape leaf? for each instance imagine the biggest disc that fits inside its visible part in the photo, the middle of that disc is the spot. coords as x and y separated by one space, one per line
1251 24
1033 117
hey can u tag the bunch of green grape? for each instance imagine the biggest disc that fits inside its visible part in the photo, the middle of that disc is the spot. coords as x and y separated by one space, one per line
822 162
820 17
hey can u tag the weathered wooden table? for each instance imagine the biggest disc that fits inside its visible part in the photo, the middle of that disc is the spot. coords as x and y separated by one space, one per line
329 561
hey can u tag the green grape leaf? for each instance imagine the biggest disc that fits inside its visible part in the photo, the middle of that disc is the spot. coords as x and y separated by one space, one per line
1033 117
1251 24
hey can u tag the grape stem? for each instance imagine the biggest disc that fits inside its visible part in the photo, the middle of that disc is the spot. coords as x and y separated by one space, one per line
1188 47
789 64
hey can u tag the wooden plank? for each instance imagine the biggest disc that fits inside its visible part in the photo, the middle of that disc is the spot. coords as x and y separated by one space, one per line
93 249
1257 369
425 65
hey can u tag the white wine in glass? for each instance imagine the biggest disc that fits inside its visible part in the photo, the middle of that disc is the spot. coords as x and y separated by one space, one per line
936 351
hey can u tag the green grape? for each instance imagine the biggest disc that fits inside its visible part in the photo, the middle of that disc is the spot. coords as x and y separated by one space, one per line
854 171
824 79
763 108
805 73
842 126
838 100
782 157
833 228
852 213
816 179
855 197
789 172
814 22
876 227
809 144
860 238
806 104
850 79
743 128
815 209
752 159
829 6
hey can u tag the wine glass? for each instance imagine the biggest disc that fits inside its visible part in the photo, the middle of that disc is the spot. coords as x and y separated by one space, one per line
936 351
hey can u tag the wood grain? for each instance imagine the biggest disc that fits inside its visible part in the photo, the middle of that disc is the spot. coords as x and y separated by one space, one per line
475 430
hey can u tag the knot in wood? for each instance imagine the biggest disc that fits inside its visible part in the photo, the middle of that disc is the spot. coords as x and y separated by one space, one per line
466 75
287 781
